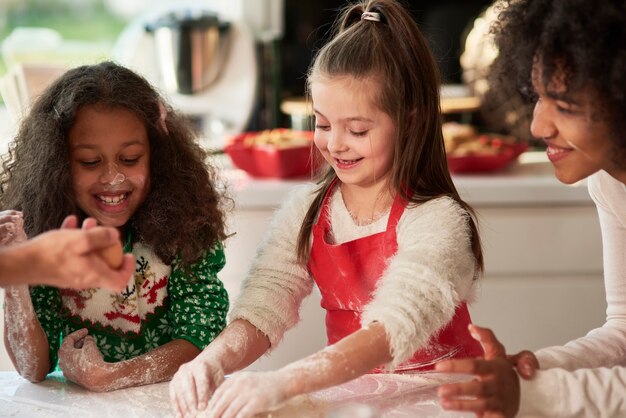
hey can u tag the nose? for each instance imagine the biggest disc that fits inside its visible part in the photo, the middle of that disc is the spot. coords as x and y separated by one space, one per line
112 175
336 143
542 125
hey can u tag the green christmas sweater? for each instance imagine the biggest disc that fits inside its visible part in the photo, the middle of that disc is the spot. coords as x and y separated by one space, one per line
160 303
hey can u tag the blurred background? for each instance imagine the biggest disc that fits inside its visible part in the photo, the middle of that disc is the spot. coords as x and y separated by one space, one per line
264 65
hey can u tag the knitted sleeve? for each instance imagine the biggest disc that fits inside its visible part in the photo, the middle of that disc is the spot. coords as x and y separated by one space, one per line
431 273
272 293
198 299
47 304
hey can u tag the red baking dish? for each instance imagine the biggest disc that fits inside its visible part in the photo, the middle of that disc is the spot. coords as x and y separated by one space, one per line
485 163
272 161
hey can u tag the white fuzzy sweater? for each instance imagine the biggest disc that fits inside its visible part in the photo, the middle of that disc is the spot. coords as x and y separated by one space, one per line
423 283
597 387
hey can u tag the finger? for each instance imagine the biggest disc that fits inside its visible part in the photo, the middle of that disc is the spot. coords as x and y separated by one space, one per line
250 409
76 336
202 390
491 346
474 388
472 405
69 222
189 398
97 238
89 223
218 402
175 402
526 364
101 275
457 366
233 407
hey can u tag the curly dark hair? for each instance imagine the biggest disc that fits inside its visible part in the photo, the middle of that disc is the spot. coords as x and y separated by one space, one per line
182 215
583 41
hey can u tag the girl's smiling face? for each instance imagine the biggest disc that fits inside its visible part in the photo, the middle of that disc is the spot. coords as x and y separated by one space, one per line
353 134
110 163
578 141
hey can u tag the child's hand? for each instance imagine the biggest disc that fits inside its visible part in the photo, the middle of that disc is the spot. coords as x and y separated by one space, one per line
11 228
248 393
82 363
193 384
496 390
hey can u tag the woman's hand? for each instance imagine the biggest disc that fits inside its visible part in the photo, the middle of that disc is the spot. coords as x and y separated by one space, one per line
193 384
71 261
11 228
82 363
496 390
246 394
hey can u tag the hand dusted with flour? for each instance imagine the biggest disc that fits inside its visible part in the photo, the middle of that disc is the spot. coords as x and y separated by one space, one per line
115 153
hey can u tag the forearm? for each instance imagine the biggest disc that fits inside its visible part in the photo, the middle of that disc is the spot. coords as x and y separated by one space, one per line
25 340
348 359
238 345
18 265
155 366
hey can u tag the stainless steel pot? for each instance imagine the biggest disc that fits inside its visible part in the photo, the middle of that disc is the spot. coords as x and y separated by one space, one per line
191 49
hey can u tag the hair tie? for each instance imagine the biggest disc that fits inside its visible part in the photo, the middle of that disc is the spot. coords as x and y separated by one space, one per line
373 16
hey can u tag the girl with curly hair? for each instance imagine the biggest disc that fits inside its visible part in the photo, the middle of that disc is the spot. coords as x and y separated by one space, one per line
384 235
569 57
101 143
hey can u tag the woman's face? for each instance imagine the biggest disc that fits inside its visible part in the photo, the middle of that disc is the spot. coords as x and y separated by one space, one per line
579 143
353 134
110 162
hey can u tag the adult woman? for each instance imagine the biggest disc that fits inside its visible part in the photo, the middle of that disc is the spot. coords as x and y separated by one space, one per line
570 55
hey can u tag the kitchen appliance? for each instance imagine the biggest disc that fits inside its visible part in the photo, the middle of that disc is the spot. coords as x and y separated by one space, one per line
204 57
191 49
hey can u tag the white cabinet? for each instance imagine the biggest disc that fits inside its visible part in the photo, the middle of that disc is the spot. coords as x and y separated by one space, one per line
543 282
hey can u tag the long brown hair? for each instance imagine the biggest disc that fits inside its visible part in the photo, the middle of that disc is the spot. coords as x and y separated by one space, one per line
182 215
394 52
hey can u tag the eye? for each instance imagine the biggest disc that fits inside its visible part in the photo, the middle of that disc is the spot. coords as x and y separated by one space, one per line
319 126
564 107
91 163
360 133
129 161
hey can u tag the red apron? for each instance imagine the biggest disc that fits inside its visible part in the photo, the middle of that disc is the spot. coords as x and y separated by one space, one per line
347 274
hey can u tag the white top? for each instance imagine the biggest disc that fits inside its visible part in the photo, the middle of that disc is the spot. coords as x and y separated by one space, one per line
597 387
434 263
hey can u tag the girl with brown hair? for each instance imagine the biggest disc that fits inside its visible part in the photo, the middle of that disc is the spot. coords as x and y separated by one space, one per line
384 234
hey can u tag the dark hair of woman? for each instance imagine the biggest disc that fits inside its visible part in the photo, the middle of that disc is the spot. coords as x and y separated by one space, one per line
578 42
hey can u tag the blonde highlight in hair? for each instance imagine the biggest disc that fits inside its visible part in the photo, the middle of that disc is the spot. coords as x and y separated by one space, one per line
394 53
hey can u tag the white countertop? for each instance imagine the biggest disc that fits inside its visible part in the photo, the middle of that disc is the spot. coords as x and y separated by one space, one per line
381 395
528 182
